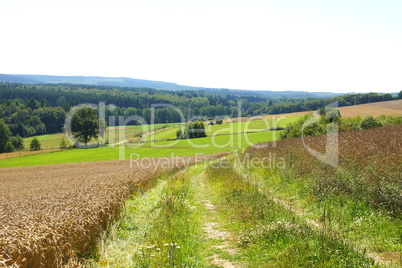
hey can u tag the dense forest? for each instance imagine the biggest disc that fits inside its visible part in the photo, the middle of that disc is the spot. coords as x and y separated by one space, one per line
30 110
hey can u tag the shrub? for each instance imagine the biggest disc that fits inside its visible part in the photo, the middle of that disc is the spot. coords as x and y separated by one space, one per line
193 130
63 143
196 129
18 143
370 122
302 127
9 147
179 134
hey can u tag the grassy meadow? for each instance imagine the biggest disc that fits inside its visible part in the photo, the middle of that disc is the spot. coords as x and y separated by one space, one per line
227 137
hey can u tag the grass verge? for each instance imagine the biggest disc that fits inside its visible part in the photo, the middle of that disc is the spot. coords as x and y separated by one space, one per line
160 228
270 235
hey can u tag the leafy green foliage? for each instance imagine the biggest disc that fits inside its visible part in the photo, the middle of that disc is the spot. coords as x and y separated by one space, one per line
18 143
196 130
4 135
35 144
9 147
19 103
370 122
63 143
193 130
85 125
307 125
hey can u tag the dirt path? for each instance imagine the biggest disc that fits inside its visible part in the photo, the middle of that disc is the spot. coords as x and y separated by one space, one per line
219 238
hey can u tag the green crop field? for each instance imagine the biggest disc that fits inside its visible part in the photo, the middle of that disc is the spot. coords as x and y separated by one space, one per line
208 145
228 127
159 142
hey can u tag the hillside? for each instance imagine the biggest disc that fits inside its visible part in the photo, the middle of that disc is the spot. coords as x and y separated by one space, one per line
393 107
141 83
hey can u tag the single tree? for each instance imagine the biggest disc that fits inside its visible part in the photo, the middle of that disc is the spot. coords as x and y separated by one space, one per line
400 95
5 134
85 125
35 144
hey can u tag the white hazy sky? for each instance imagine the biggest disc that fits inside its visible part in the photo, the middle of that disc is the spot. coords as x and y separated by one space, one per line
314 45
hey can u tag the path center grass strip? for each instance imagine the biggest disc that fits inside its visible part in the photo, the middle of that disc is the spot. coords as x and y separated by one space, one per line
160 228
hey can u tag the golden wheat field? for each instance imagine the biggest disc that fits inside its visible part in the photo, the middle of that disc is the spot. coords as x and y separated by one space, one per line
51 214
393 107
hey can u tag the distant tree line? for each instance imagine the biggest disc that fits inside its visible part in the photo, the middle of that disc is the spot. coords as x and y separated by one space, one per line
30 110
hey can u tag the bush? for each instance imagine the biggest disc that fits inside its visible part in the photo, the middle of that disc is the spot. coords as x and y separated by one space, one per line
193 130
18 143
35 145
63 143
219 122
179 134
296 129
370 122
9 147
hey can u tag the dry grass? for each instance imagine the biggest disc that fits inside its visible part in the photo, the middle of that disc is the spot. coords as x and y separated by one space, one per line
376 153
25 153
267 117
393 107
375 109
51 214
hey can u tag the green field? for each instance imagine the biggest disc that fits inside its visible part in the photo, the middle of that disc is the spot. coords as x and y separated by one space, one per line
228 128
52 141
221 138
208 145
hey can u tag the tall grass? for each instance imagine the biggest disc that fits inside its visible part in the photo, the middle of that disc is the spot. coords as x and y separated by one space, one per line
360 198
270 235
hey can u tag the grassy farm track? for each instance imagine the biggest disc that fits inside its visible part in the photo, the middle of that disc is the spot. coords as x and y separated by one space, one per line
210 216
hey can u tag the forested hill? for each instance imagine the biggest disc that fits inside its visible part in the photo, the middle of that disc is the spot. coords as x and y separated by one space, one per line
39 109
140 83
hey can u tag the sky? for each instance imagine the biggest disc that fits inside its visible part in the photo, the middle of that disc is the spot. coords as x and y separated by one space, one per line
312 45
